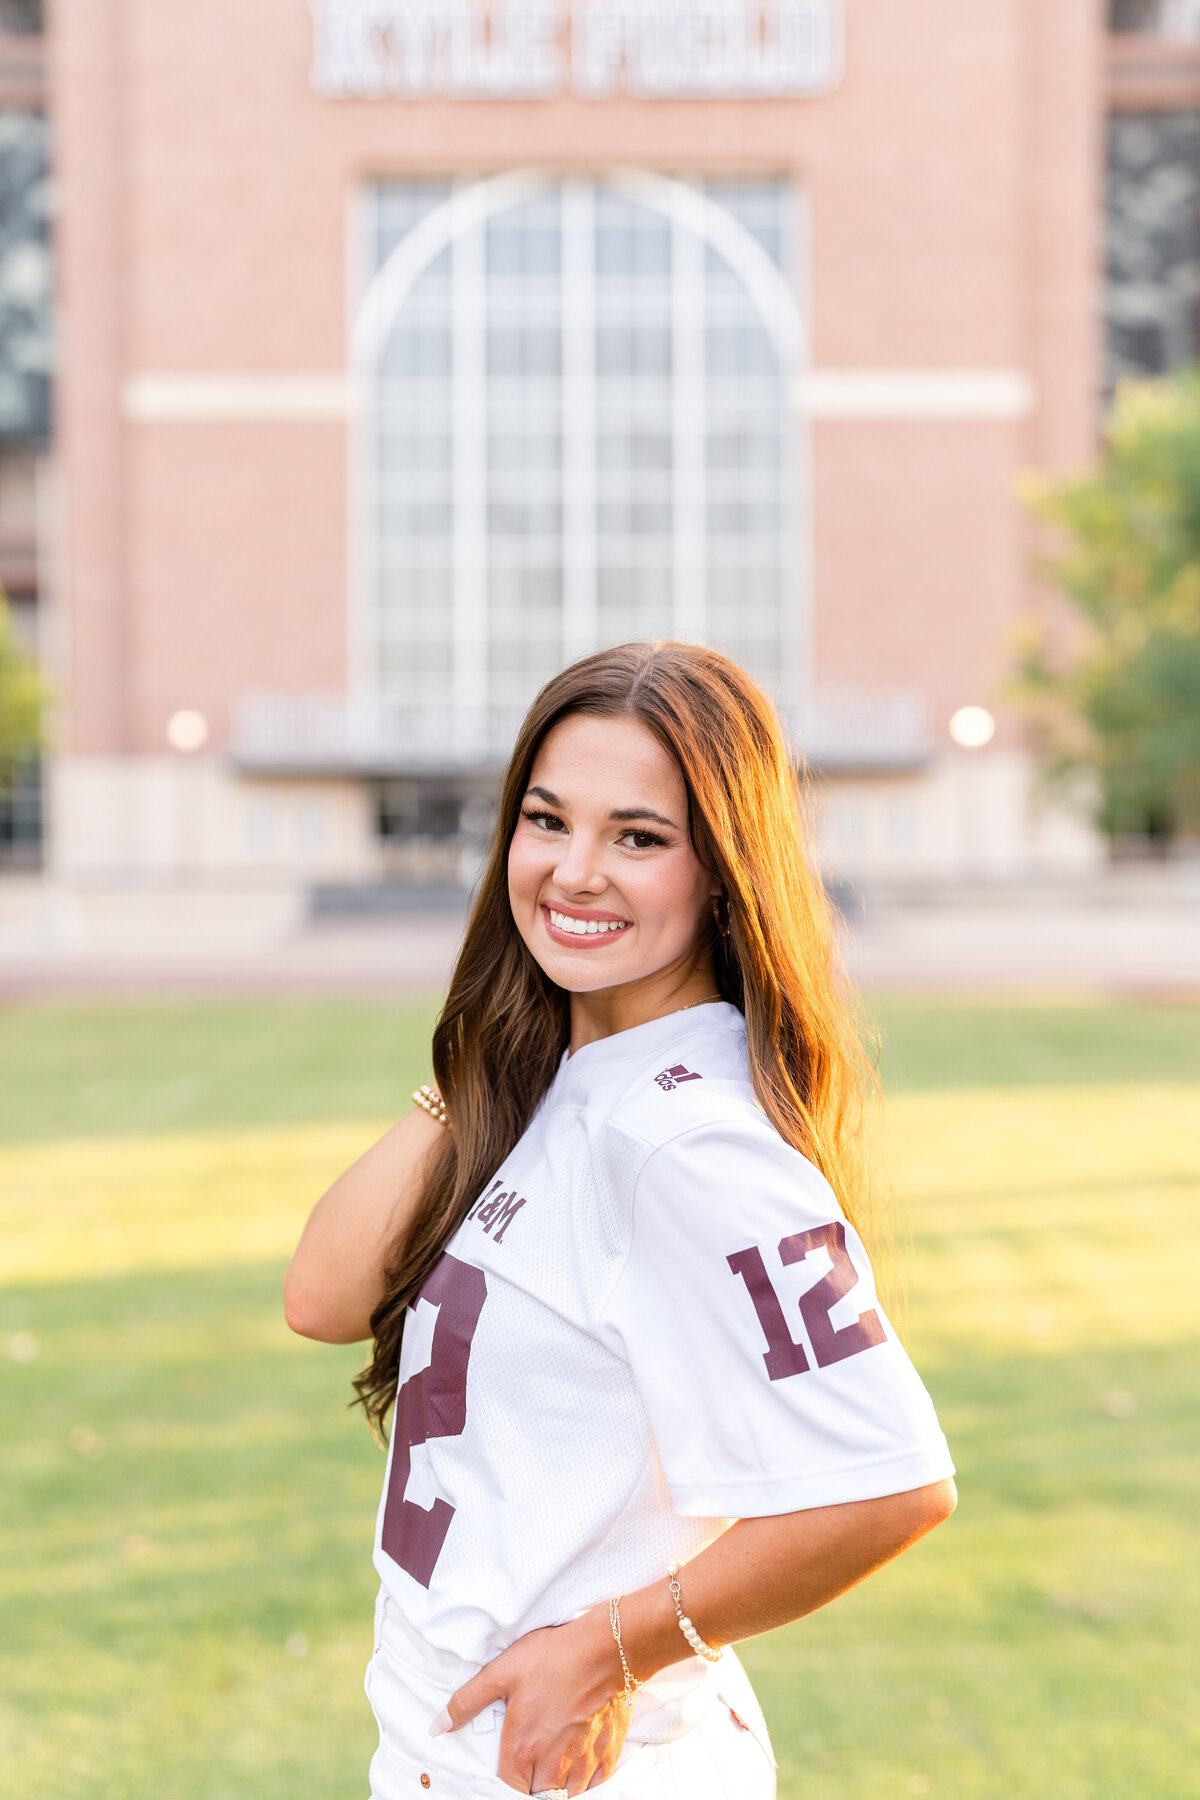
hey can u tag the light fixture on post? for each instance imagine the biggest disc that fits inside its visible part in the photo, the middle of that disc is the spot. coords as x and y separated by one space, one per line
187 731
972 727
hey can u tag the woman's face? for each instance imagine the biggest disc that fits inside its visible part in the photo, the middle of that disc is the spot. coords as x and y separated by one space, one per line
603 881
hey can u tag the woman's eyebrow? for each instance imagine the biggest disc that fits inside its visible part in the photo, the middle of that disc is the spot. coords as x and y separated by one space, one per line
628 813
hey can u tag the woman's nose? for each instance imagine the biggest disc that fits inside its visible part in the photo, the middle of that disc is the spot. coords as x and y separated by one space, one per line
578 868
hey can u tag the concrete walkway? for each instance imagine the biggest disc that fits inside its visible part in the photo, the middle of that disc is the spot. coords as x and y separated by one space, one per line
1124 935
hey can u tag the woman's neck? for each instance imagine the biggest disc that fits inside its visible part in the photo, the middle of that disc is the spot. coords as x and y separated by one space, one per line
609 1010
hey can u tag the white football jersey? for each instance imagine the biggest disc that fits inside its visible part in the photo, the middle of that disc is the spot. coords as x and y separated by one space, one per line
655 1320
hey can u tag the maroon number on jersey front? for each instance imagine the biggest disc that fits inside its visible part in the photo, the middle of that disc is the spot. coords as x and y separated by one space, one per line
432 1404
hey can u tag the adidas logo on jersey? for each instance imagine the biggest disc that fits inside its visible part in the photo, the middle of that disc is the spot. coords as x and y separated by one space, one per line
670 1078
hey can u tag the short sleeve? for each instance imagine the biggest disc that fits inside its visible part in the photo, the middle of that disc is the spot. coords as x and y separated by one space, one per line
747 1309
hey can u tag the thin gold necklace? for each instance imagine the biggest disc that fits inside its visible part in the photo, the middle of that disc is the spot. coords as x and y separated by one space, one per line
707 1001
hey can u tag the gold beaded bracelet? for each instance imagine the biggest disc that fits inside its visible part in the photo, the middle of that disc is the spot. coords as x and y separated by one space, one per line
685 1624
432 1102
632 1684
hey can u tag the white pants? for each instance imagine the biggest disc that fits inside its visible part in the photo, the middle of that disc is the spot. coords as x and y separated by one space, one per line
726 1755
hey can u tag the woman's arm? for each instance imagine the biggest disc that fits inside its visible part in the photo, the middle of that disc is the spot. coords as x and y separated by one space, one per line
766 1572
560 1725
334 1281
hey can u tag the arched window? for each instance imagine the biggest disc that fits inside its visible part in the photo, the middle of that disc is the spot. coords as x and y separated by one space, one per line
577 431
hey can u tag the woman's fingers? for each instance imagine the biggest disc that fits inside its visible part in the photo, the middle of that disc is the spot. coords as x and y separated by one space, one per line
586 1760
526 1767
482 1690
531 1764
605 1751
575 1780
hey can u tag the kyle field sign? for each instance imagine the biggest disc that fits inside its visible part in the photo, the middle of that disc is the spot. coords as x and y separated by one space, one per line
536 49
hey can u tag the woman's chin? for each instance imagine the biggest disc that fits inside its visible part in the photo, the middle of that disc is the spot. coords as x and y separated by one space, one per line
574 980
581 971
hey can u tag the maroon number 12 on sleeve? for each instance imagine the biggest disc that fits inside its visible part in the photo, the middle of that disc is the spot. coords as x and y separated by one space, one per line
830 1343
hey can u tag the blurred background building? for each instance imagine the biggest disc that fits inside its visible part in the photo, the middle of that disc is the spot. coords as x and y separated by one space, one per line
396 352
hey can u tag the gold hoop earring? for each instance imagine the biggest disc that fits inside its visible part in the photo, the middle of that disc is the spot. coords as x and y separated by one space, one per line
722 925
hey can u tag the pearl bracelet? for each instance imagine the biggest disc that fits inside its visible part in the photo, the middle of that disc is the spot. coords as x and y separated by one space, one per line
432 1102
685 1624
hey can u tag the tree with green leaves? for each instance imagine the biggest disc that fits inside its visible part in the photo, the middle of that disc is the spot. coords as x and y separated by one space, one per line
22 700
1123 705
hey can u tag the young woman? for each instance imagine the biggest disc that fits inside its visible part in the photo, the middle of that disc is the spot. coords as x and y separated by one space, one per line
645 1401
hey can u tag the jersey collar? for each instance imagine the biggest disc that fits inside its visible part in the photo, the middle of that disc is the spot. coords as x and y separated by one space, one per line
577 1074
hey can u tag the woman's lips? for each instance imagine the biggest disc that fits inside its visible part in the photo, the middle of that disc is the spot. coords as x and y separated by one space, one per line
599 928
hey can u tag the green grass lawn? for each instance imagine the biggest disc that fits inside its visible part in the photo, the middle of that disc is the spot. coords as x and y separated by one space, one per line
187 1505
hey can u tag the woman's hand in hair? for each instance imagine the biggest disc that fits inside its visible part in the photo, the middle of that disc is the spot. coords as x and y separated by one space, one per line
565 1716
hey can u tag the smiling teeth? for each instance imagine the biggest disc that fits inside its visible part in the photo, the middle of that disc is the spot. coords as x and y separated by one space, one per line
585 927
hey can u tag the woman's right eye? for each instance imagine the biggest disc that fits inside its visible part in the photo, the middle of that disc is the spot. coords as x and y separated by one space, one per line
544 820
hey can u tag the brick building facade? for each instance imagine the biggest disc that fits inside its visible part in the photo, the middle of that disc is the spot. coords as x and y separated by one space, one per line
408 348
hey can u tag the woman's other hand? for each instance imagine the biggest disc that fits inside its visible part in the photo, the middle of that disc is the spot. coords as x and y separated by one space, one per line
565 1717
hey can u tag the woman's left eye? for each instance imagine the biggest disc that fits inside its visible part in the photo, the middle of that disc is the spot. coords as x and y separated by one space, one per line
641 840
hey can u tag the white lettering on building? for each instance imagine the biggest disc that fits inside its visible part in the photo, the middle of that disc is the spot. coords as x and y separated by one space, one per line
534 49
414 48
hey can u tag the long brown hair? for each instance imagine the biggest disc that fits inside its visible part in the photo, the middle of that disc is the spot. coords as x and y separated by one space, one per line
505 1025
